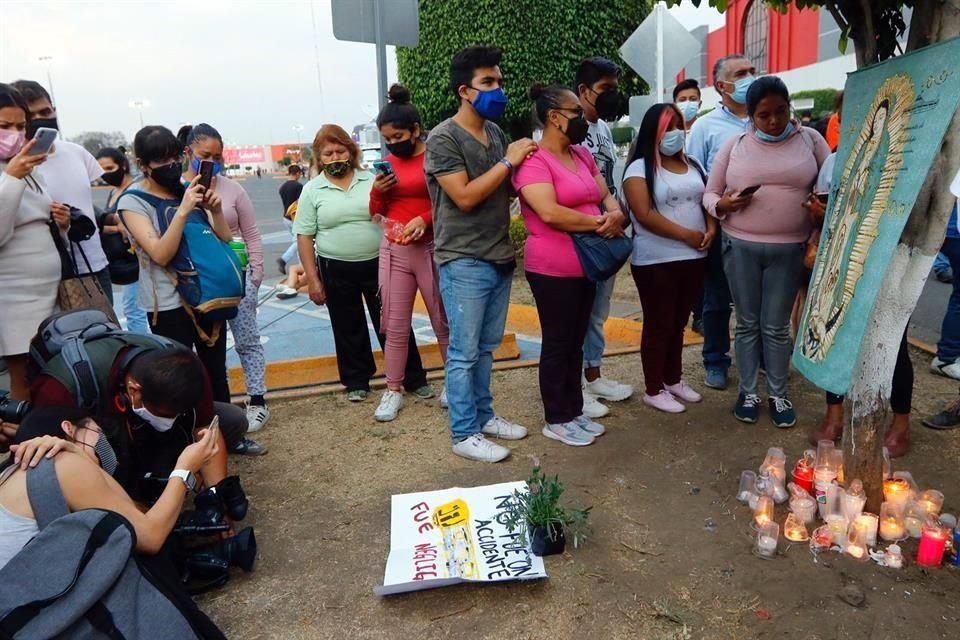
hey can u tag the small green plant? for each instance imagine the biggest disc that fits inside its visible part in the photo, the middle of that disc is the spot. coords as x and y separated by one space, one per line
539 506
518 234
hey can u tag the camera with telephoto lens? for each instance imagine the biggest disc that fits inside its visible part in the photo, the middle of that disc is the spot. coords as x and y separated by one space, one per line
12 410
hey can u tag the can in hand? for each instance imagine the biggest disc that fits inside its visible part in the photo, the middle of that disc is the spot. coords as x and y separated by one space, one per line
240 248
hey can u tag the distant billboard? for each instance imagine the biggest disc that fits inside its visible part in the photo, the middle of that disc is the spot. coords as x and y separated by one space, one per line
244 155
280 151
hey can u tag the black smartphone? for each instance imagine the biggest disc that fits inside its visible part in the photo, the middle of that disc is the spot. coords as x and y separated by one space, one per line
823 197
206 173
749 191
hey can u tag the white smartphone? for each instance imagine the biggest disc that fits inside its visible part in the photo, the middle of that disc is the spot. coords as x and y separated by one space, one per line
45 138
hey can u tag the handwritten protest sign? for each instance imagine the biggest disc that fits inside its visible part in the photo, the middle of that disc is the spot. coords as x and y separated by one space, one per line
439 538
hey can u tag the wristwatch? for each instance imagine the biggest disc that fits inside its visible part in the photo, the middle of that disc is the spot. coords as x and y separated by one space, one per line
188 478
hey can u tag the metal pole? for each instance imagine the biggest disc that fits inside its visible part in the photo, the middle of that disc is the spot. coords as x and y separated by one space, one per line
381 62
46 63
659 86
140 110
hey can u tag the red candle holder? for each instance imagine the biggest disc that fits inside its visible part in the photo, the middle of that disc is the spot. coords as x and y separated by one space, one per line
933 542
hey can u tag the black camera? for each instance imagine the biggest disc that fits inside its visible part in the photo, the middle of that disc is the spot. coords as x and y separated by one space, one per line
12 410
203 559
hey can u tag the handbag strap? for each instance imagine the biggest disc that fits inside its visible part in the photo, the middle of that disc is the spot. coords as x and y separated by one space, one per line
68 266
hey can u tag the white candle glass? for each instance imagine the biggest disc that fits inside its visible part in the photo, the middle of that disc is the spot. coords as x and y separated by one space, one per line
748 486
891 522
871 523
765 545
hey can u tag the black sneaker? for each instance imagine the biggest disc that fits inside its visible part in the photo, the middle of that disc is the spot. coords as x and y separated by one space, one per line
947 419
781 412
748 408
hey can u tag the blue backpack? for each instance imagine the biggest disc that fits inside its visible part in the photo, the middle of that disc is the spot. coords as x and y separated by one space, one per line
206 271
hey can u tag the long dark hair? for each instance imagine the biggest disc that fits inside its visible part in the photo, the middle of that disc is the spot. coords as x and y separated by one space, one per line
48 421
647 145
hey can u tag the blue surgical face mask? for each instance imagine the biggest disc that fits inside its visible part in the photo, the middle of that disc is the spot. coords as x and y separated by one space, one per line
766 137
195 165
740 88
689 109
672 142
491 104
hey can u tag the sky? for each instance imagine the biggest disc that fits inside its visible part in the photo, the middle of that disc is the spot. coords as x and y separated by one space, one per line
248 67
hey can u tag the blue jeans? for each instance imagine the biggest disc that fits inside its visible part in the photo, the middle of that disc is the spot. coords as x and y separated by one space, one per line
948 349
594 342
764 278
941 263
136 317
716 311
291 255
476 295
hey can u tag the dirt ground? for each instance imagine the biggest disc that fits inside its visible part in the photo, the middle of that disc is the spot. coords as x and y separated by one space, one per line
669 555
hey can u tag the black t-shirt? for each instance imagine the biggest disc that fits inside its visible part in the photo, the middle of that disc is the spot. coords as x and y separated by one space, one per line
290 193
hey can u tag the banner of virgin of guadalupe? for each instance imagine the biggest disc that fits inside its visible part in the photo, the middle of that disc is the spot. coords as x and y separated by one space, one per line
895 115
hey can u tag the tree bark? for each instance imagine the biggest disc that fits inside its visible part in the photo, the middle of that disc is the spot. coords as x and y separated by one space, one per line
868 398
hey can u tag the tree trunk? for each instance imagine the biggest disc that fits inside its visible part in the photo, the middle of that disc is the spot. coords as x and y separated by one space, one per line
868 399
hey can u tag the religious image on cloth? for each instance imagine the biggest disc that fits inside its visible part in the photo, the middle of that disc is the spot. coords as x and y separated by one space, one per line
895 115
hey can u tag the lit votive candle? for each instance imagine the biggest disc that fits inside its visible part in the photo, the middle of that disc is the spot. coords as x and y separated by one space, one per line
930 501
838 527
891 522
933 541
766 542
794 529
856 546
871 523
896 491
763 513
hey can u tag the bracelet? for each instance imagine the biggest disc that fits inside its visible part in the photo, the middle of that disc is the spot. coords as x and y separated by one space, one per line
507 164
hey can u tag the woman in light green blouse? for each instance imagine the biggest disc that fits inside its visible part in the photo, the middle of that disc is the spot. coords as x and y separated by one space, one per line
339 246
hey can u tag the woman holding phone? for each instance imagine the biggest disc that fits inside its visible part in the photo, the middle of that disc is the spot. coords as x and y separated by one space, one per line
29 262
764 237
160 156
400 196
204 148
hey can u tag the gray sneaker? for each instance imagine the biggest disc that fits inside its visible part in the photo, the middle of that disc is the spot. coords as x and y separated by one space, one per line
589 427
357 395
425 392
568 433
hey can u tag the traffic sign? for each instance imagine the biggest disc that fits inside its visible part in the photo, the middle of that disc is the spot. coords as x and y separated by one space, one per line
356 21
660 47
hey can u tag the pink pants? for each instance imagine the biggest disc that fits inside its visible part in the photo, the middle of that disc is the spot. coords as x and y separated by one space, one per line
404 270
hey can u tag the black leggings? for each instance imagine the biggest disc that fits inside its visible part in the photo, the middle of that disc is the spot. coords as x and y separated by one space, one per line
177 325
901 392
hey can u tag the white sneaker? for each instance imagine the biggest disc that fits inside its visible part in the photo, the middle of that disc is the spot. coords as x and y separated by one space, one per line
948 369
443 398
589 427
476 447
683 391
390 404
285 293
503 429
607 389
568 433
257 417
593 408
664 401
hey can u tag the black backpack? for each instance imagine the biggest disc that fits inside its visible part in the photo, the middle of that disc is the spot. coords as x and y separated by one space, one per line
78 348
122 260
80 578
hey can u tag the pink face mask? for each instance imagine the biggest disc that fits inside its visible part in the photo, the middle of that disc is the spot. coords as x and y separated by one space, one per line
11 142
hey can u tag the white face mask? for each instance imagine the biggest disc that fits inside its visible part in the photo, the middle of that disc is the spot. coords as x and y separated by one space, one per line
159 423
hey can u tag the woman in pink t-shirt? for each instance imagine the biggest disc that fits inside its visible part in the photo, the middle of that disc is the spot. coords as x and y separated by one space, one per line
562 192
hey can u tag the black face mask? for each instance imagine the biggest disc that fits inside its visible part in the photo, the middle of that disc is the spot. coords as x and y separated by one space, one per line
113 178
168 177
403 149
577 128
608 104
37 123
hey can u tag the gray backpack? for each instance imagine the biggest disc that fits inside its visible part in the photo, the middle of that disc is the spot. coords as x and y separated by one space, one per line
79 578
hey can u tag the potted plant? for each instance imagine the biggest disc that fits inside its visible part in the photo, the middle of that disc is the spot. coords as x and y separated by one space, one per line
537 513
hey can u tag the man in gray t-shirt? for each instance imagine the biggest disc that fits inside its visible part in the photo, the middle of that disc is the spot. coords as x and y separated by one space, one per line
468 167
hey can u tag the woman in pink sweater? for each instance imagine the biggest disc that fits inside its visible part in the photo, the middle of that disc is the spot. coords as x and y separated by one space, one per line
764 235
203 142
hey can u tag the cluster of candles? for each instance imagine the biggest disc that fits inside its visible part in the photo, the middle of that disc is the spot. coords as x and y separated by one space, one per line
818 490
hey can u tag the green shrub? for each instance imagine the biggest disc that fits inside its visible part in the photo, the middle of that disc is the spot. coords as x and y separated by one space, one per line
622 135
822 100
518 235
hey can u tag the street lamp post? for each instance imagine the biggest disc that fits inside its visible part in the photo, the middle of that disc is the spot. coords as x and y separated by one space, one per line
139 105
45 61
299 128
